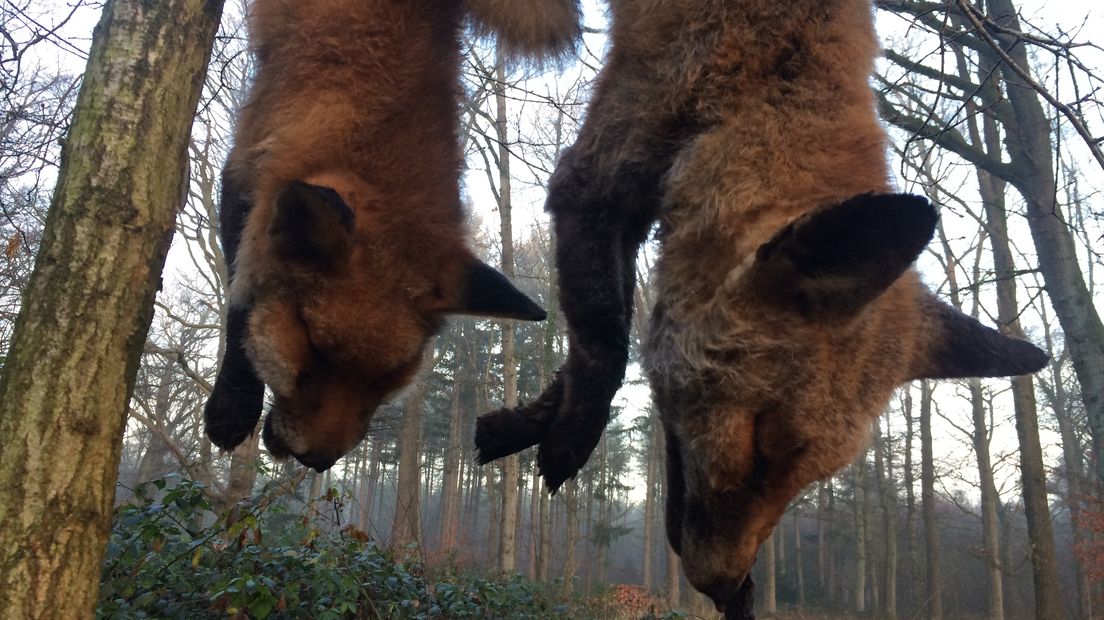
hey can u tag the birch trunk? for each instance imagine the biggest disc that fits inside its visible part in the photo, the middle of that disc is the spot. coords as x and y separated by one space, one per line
88 305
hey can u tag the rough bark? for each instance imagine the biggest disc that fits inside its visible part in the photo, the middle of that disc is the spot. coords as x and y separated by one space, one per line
88 305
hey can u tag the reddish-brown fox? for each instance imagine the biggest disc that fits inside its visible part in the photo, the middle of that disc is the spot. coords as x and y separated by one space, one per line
787 306
341 216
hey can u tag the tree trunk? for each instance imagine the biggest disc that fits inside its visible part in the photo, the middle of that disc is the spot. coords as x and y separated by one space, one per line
650 500
450 477
544 546
87 308
534 522
989 501
572 510
406 526
887 493
243 471
368 497
674 577
1048 602
831 541
1029 146
494 527
507 550
873 573
1073 459
780 557
822 554
770 570
991 192
799 569
602 496
912 578
859 513
934 602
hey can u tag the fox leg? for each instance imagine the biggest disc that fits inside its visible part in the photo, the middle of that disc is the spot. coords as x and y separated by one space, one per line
600 223
599 232
237 399
603 198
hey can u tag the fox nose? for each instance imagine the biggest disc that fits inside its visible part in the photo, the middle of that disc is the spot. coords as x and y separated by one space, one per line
317 461
729 592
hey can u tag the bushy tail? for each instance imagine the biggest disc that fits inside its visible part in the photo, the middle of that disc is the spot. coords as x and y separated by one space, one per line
532 30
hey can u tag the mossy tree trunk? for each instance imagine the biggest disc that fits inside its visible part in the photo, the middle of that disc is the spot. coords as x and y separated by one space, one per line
74 356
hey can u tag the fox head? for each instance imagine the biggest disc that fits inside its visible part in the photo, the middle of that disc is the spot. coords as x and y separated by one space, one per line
340 297
832 319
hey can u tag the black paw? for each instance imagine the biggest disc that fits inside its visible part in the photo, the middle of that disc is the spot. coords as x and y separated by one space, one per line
232 411
568 444
509 431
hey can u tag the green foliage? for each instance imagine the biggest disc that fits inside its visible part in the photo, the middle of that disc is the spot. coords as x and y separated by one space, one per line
166 560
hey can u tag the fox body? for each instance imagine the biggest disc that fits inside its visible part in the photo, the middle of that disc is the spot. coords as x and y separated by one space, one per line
787 308
341 218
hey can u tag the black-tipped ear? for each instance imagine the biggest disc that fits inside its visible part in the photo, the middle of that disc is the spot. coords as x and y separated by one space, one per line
486 292
311 224
960 347
830 263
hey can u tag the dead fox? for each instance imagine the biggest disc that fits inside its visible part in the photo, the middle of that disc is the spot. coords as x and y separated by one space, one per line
341 218
788 310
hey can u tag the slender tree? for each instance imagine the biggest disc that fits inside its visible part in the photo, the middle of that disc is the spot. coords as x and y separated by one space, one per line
934 602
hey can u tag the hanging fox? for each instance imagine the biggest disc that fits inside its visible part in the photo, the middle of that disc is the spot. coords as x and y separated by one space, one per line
788 309
340 214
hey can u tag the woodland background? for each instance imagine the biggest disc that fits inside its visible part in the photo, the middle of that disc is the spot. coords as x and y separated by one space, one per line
975 498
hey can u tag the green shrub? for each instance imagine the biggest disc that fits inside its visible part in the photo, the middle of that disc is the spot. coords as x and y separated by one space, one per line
162 562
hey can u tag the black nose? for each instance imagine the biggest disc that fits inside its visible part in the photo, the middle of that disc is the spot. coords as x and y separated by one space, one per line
317 461
734 598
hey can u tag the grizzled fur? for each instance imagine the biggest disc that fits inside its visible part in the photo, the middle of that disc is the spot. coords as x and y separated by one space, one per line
788 310
341 214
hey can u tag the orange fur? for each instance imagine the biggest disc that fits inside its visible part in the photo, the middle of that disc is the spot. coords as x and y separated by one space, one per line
341 211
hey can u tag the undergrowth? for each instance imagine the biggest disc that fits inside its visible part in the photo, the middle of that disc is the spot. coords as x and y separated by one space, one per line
166 559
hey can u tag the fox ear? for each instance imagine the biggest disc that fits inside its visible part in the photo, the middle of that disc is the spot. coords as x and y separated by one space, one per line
830 263
311 224
959 346
484 291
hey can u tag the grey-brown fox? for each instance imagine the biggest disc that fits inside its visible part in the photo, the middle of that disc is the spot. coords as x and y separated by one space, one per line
787 307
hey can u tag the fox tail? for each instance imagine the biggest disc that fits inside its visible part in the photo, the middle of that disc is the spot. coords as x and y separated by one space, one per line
532 30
